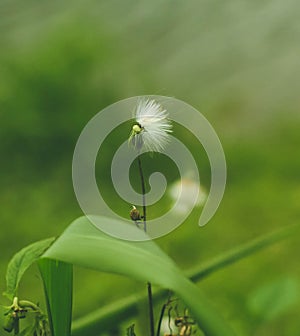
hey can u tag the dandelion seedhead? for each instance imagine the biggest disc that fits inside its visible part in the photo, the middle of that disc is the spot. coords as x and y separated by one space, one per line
152 126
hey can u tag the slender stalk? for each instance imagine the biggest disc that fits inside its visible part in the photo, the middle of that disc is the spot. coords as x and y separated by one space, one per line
17 327
151 315
149 287
143 192
162 313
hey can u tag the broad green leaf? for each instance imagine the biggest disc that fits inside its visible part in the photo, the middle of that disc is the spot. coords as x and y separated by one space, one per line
83 244
20 262
127 307
58 284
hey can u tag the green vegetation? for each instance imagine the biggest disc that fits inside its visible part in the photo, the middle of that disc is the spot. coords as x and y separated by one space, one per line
237 62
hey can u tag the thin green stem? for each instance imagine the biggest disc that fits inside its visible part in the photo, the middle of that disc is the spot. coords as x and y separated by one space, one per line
17 327
143 192
149 287
162 313
151 315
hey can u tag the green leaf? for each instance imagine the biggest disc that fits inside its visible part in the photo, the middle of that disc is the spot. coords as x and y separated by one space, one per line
240 252
83 244
58 284
128 307
20 262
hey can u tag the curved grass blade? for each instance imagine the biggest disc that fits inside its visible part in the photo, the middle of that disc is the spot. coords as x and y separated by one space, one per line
83 244
241 252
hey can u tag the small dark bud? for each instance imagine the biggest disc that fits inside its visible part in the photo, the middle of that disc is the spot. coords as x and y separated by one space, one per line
135 214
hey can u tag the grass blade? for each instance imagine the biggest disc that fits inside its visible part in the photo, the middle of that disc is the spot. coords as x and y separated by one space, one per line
241 252
58 284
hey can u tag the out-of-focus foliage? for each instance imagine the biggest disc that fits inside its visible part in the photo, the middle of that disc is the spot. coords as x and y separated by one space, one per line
236 61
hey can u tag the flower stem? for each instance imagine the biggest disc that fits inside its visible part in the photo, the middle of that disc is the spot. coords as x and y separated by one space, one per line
151 315
143 192
149 287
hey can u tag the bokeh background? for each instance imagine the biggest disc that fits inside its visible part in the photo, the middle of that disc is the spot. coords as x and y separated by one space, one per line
236 61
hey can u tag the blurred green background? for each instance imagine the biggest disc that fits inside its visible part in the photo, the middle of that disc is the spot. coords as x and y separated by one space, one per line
235 61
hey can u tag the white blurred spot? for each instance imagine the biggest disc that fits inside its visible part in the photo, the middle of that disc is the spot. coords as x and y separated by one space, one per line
188 188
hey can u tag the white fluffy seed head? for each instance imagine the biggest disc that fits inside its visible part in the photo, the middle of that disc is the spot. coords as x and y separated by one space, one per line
154 126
